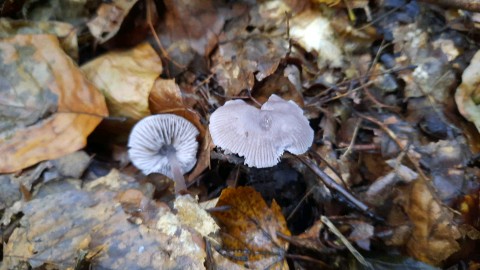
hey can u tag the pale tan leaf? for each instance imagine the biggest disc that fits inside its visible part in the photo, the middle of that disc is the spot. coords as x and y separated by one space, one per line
126 79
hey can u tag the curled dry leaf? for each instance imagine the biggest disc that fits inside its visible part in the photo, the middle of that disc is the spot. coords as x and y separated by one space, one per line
251 48
314 33
190 28
165 95
467 95
238 62
279 85
249 230
433 234
48 106
109 19
126 79
310 239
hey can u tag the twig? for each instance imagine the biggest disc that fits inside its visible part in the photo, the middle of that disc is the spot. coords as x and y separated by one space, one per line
471 5
352 142
300 203
386 14
249 93
288 16
334 170
331 184
150 7
344 240
308 259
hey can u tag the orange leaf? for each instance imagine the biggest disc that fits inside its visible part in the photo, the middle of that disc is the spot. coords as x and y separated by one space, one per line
166 97
249 229
39 76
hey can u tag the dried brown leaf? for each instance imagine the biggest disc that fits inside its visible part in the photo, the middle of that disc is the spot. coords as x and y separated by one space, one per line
190 28
41 80
433 235
310 239
249 229
279 85
109 19
165 95
238 62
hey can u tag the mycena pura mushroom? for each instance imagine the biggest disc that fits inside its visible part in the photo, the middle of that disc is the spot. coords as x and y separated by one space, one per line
261 135
164 144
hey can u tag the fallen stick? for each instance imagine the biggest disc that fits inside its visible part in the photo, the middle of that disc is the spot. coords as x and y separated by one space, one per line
470 5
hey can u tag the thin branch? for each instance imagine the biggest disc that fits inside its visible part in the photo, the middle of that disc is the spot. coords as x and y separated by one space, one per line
471 5
331 184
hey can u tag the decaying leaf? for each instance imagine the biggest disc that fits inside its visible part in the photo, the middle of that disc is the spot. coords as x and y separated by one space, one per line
313 31
467 95
113 181
189 29
310 239
445 159
55 228
65 32
432 76
433 234
250 50
249 230
191 214
109 19
236 61
279 85
382 187
48 108
126 79
74 12
72 165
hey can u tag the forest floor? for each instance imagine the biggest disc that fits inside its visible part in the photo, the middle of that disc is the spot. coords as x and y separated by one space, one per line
388 180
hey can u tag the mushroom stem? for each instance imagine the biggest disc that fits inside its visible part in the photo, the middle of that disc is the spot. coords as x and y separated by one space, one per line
176 172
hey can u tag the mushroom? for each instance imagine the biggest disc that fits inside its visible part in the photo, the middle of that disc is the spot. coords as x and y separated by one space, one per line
261 135
164 144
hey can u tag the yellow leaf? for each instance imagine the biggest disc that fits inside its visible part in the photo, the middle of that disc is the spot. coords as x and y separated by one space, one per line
126 79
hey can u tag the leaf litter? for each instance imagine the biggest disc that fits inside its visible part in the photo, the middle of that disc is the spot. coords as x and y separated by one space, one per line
389 88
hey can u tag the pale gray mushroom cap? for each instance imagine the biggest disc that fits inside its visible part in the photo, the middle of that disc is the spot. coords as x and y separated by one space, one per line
261 136
155 135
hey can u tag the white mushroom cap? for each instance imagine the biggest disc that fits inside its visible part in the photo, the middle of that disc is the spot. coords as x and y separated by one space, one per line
156 136
261 136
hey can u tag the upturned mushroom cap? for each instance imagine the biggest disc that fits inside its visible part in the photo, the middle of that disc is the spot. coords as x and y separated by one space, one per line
261 135
156 136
